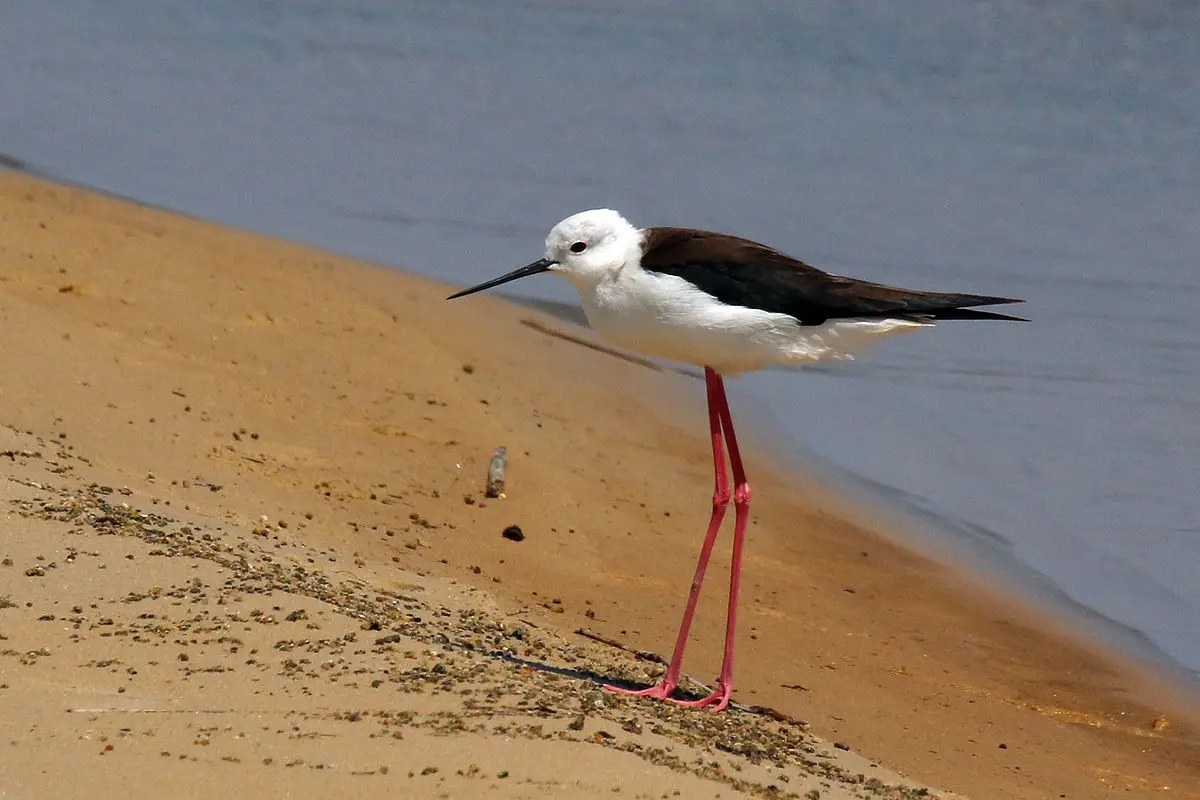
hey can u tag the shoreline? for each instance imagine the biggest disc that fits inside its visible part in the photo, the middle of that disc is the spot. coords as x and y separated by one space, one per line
324 371
924 532
927 533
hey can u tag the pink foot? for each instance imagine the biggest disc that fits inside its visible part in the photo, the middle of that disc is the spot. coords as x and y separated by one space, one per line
660 691
717 701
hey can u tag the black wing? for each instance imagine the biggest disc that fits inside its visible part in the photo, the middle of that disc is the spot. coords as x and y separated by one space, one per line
744 273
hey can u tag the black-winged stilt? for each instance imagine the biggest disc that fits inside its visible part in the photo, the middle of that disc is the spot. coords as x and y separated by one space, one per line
728 305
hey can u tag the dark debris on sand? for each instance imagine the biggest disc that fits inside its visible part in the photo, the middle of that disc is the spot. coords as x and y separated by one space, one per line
495 675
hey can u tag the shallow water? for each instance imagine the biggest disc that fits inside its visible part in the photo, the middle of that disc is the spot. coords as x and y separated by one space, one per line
1045 150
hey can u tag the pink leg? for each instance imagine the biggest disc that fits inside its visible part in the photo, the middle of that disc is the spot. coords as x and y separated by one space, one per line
720 696
716 401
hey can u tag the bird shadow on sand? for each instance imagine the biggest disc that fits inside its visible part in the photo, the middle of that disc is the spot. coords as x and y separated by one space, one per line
588 675
695 689
573 315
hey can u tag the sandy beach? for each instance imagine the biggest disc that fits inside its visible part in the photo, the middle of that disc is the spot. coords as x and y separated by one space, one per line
246 548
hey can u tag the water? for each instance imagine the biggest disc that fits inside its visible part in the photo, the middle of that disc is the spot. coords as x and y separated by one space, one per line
1047 150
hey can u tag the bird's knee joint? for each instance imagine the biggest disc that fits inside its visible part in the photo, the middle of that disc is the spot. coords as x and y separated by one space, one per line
721 498
742 495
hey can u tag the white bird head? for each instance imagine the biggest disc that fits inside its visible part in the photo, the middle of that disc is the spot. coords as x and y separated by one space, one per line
584 248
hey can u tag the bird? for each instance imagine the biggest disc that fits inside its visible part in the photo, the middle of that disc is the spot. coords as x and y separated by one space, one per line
728 305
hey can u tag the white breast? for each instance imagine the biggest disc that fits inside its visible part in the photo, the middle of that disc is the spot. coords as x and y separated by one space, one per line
667 317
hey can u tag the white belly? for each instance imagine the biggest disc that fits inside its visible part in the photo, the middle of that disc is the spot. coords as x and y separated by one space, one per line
666 317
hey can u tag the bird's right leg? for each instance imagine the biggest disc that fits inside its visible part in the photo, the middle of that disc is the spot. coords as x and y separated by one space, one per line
721 495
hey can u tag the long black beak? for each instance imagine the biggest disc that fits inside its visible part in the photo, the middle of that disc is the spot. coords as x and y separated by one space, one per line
532 269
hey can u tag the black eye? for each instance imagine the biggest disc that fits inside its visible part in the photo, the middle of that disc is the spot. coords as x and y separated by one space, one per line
579 247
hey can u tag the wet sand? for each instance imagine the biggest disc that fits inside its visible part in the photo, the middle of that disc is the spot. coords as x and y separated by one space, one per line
246 547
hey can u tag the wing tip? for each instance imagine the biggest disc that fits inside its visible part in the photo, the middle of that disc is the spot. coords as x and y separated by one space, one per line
967 310
972 313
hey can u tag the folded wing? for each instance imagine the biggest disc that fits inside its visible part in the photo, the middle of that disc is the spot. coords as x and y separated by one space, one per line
744 273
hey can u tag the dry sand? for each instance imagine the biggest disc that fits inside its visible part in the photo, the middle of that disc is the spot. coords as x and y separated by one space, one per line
245 548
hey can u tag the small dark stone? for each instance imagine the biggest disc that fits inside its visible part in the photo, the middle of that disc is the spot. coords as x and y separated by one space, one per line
514 533
841 746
